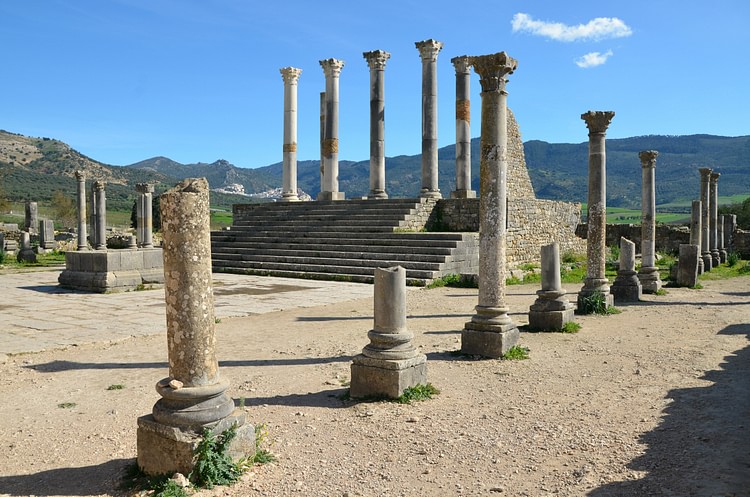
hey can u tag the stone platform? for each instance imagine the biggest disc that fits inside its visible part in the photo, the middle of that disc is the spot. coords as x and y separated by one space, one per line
112 270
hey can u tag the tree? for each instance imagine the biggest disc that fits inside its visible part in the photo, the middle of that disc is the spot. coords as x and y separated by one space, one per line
64 209
741 210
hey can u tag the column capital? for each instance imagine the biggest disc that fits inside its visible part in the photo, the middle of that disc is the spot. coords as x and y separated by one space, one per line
376 59
714 177
705 172
648 158
492 70
80 175
429 49
144 188
462 64
290 75
99 185
332 67
597 121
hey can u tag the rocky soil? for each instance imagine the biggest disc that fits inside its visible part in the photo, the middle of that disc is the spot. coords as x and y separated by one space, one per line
654 401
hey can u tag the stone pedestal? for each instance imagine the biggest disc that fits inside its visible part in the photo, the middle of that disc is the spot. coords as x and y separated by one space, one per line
713 193
687 266
491 332
551 310
376 61
290 75
705 219
596 281
103 271
83 243
463 128
390 363
696 230
193 396
25 252
428 52
330 147
627 286
46 235
649 273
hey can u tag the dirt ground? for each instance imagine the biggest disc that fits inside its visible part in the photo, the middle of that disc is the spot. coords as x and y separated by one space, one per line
654 401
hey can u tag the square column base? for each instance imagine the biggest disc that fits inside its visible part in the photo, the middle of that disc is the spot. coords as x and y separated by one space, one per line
628 293
164 449
386 378
463 194
550 320
651 286
491 341
331 196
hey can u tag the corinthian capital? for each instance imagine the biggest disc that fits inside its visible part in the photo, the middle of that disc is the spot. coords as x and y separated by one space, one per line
462 64
648 158
705 173
376 59
332 67
290 75
597 121
429 49
492 70
714 178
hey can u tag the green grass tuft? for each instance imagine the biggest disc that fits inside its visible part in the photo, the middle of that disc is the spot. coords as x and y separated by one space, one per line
417 393
571 327
516 353
66 405
117 386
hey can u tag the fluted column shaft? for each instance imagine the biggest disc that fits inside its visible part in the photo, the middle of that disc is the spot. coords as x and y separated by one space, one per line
705 218
290 75
596 281
428 51
101 215
332 69
376 61
696 231
648 273
714 216
463 128
83 244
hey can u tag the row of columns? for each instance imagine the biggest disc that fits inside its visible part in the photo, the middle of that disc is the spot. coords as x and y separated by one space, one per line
708 224
376 60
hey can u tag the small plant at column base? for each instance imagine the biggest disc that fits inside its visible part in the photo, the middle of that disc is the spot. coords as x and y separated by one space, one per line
262 455
417 393
570 327
732 259
516 353
595 303
612 310
212 464
661 291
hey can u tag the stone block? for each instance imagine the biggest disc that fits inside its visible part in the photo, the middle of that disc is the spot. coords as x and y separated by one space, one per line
152 258
687 266
550 320
386 378
129 260
491 341
626 293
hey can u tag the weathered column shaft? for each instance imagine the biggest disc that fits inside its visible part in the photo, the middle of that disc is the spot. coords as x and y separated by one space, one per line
322 139
713 217
428 51
705 218
101 215
463 128
94 219
148 217
83 243
290 76
139 214
696 232
376 61
332 69
649 273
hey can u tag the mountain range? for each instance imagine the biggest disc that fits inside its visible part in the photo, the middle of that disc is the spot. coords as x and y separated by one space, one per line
33 168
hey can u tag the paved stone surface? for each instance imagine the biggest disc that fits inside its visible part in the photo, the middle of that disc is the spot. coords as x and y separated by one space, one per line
36 314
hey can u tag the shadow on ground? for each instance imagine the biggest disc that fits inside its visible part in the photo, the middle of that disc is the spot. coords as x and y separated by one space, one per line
701 448
100 479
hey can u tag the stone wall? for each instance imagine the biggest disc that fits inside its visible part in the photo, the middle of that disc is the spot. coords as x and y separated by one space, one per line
519 181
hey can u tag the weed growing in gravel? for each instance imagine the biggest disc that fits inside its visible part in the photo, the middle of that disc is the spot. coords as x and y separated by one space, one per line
595 303
661 291
262 455
417 393
732 259
571 327
66 405
117 386
213 466
516 353
697 286
166 487
452 280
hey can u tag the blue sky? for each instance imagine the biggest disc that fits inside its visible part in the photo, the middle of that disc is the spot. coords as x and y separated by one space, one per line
198 80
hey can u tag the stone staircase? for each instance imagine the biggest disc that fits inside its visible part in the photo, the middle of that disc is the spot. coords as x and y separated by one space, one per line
342 240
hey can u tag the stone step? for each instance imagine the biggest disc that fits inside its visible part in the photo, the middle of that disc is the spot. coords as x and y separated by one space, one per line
346 259
343 222
270 247
320 268
353 278
336 236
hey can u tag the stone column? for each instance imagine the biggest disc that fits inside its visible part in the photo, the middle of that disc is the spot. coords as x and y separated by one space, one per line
705 219
551 310
730 224
290 75
713 194
428 51
720 241
491 332
94 218
649 273
322 138
695 231
146 219
139 213
332 70
31 220
101 215
83 243
596 281
25 252
193 396
390 363
627 287
376 61
463 129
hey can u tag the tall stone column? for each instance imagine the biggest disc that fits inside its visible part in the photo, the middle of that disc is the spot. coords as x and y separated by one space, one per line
720 240
290 76
332 70
648 273
146 219
696 231
428 51
491 332
83 243
376 61
463 128
139 213
193 396
94 218
705 219
730 224
596 247
101 215
322 138
713 218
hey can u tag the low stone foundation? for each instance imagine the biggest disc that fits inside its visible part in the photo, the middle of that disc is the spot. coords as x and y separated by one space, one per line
103 271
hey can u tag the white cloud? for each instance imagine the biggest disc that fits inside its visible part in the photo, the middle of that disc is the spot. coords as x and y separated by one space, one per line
593 59
596 29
